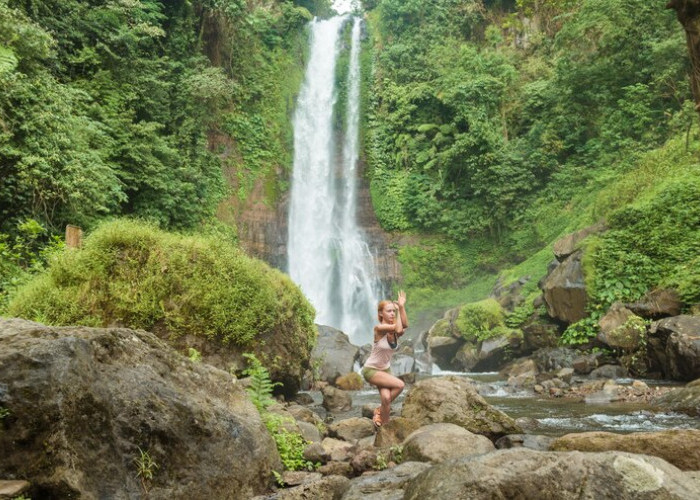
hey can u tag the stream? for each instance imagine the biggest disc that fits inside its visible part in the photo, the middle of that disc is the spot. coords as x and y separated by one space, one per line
547 416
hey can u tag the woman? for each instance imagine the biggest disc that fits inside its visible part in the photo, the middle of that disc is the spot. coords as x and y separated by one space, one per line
376 369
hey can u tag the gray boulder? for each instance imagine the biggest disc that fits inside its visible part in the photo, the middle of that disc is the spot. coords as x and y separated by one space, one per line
439 442
554 359
388 484
351 429
565 291
84 403
455 400
443 351
336 400
572 242
402 364
326 488
533 475
683 400
680 447
616 330
333 354
657 304
674 347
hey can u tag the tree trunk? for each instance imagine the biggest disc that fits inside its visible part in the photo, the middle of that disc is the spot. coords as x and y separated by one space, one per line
688 12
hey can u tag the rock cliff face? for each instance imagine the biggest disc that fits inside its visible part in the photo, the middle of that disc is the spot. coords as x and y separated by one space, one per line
263 227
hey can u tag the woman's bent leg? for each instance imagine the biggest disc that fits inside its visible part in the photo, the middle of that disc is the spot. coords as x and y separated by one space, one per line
389 388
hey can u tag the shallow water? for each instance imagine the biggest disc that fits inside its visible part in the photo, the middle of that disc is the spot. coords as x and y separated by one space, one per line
548 416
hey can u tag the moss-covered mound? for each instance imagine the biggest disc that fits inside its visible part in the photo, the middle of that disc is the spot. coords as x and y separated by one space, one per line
197 291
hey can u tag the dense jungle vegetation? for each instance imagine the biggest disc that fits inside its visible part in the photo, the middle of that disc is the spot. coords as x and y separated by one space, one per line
492 127
498 126
138 108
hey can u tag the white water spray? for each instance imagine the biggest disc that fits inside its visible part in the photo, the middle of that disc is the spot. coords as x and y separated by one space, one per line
327 255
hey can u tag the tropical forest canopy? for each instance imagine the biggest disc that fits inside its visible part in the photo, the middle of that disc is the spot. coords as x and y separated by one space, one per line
491 128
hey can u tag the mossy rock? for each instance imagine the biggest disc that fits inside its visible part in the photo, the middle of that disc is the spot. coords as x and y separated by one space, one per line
441 328
199 291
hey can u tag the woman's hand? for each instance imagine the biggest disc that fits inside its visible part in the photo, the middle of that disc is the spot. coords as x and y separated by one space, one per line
402 298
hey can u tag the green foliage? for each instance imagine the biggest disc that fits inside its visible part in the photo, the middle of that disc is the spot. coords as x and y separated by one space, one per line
4 412
476 133
290 445
133 274
260 387
481 320
581 332
652 243
145 468
24 255
393 454
520 314
194 355
437 263
106 113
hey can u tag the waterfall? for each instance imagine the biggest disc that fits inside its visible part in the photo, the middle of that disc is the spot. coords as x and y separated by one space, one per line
327 254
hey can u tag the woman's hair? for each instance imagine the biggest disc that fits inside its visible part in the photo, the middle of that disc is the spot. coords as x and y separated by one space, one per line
380 308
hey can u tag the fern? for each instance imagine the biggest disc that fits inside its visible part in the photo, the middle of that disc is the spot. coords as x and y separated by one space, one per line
8 60
261 387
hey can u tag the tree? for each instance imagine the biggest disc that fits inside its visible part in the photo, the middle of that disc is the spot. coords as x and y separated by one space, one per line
688 12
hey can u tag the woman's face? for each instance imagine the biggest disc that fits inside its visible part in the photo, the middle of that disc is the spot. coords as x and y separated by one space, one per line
389 313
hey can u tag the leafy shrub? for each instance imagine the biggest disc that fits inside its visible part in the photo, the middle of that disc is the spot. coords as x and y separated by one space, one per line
581 332
290 445
134 274
650 244
481 320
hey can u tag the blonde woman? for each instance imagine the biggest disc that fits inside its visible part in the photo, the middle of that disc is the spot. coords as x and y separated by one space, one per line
392 323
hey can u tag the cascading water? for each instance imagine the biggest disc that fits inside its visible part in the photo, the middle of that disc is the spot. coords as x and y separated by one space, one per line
327 255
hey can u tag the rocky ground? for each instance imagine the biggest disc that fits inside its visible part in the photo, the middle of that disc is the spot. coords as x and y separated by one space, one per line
117 413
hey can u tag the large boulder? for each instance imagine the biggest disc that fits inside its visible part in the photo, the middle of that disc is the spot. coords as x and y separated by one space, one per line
533 475
674 347
326 488
351 429
554 359
570 243
680 447
683 400
333 355
455 400
621 328
660 303
401 364
88 408
385 485
395 432
336 400
439 442
565 291
443 351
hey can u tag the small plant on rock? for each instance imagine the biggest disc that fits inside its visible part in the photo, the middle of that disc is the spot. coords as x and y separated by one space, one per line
290 445
145 468
261 386
194 355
